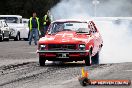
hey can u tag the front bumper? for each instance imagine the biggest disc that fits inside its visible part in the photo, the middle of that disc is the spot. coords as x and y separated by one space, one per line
62 51
63 55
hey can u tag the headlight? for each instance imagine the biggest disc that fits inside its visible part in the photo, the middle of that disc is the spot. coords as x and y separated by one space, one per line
82 46
42 47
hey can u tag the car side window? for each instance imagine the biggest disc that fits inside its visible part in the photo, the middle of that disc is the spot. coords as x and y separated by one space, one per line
50 29
92 27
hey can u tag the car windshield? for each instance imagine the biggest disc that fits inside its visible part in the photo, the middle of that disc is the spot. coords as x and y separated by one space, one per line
10 19
79 27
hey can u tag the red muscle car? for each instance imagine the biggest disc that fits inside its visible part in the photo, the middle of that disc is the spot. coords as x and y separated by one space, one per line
70 40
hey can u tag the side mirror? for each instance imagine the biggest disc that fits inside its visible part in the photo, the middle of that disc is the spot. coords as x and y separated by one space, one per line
90 32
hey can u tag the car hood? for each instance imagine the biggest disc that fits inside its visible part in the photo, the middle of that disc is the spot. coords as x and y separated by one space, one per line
5 29
65 37
15 25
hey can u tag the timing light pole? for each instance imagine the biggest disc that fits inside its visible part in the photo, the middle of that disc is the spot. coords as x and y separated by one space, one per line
95 3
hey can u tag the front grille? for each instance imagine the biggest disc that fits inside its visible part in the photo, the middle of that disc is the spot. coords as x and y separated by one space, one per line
6 33
61 46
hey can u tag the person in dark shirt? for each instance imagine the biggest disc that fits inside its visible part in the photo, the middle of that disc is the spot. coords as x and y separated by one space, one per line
47 21
34 28
34 23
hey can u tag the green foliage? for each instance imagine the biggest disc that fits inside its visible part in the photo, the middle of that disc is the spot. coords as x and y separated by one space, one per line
26 7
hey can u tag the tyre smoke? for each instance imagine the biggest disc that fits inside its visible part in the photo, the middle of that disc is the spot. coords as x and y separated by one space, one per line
117 42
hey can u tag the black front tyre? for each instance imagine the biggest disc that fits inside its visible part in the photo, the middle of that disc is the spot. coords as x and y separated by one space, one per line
87 60
1 39
42 61
95 59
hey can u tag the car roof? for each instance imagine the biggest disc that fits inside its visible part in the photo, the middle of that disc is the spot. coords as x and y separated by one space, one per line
71 20
18 16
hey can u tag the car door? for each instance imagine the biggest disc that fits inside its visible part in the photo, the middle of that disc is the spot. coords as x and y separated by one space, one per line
21 28
96 35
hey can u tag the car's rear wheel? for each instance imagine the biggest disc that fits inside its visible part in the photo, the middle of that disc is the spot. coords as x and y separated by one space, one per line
42 60
95 58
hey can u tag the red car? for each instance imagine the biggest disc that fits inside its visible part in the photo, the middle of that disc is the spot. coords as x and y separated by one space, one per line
70 40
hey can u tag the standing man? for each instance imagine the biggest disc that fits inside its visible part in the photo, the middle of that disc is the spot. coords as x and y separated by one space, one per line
47 20
34 28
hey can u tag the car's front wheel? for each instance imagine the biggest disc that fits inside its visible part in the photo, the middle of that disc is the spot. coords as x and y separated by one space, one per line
95 58
1 39
42 60
88 59
17 38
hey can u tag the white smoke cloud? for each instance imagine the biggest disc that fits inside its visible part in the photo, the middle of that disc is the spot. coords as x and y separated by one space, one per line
117 38
69 9
85 8
117 42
